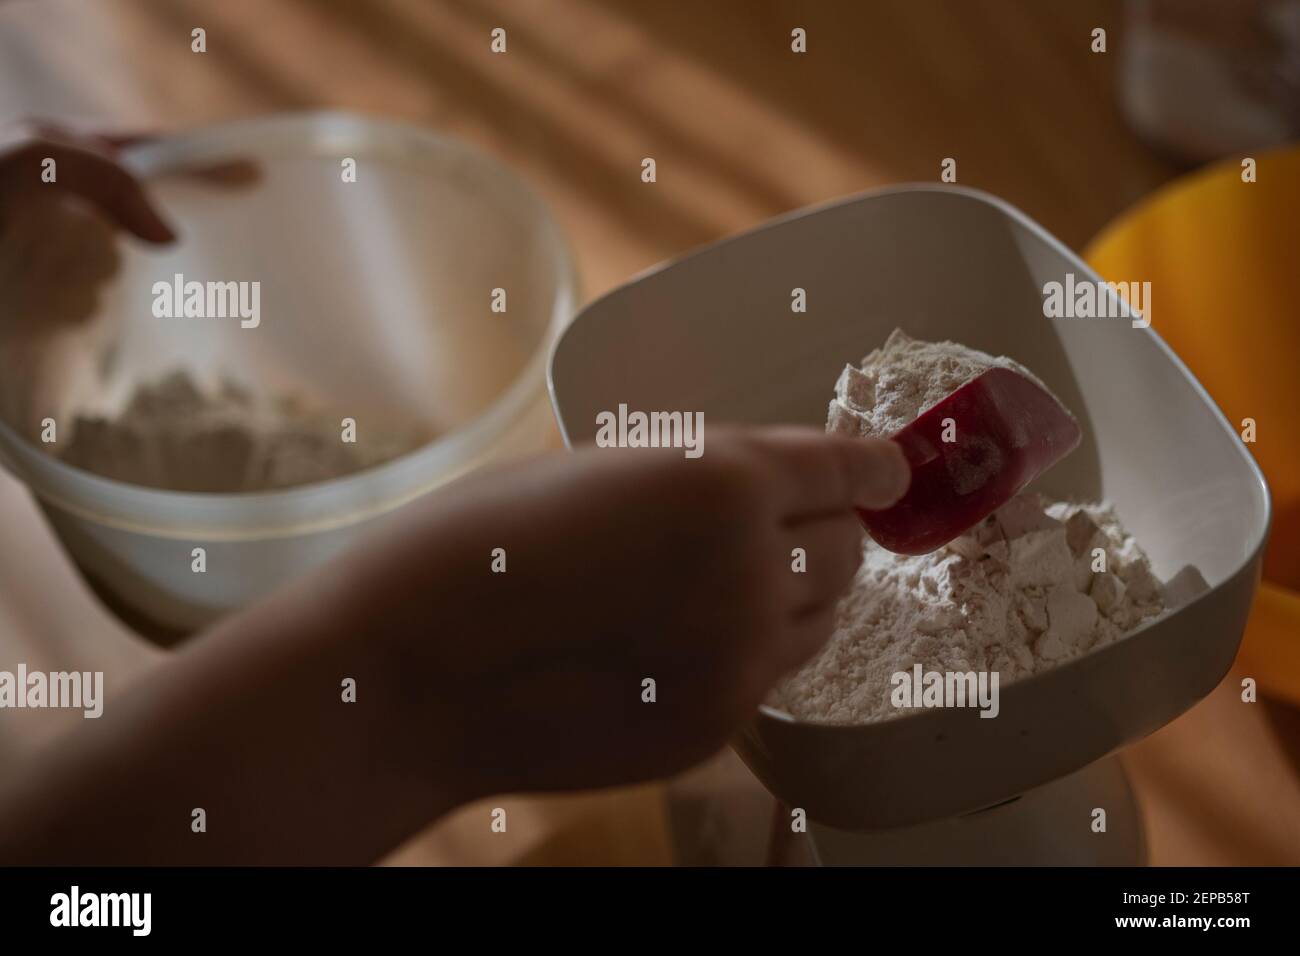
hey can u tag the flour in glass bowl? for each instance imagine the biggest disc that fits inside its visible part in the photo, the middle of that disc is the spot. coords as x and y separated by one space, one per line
174 435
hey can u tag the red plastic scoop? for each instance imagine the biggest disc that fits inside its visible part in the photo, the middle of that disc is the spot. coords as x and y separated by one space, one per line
1005 430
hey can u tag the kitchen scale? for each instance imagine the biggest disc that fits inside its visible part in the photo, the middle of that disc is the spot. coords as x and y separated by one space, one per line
720 815
713 333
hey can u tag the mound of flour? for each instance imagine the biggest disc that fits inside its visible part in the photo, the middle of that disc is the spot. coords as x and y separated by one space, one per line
1035 584
1016 594
903 378
176 436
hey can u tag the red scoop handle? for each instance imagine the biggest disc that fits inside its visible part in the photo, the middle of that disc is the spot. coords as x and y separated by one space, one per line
1005 430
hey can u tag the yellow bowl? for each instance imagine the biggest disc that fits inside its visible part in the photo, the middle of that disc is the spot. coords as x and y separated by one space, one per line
1222 258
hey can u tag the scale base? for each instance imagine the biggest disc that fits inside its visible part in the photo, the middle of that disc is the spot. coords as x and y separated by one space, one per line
720 814
1049 826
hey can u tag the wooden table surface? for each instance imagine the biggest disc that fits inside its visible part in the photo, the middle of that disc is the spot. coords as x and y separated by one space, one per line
741 129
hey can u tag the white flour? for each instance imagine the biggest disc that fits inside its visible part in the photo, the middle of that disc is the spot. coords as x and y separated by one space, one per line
1016 594
173 435
903 378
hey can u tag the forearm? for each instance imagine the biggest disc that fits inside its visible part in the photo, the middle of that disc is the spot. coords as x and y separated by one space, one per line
249 724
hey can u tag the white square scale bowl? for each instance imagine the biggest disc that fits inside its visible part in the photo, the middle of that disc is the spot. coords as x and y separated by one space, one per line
714 332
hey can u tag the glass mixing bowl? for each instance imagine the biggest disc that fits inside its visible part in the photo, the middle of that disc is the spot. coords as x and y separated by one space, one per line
375 301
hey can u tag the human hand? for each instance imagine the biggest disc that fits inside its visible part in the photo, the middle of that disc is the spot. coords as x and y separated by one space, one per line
55 254
620 566
57 238
85 165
